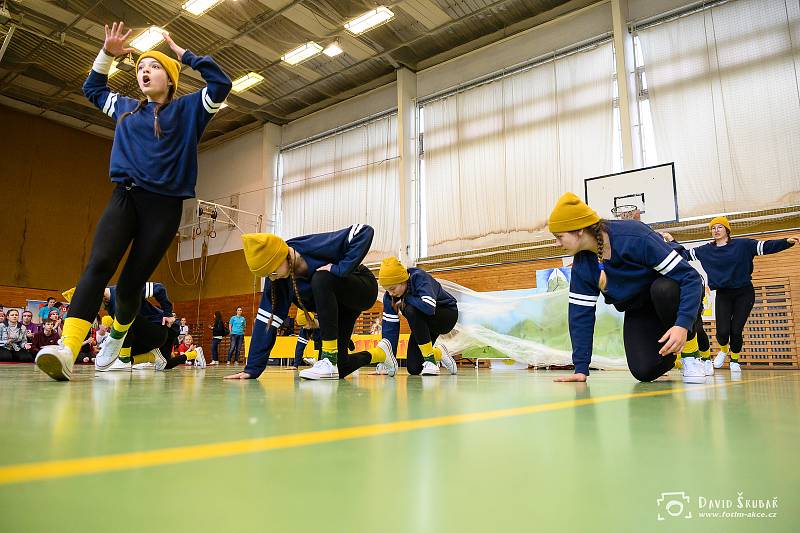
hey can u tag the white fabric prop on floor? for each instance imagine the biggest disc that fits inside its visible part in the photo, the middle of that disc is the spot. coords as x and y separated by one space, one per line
529 326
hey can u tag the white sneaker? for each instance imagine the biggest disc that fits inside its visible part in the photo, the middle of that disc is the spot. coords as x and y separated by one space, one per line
693 371
213 363
160 361
116 365
735 367
56 361
143 366
390 363
380 369
719 360
109 352
200 361
447 360
322 369
708 366
309 361
429 369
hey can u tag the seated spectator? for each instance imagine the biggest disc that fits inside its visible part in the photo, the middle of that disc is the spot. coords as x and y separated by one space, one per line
58 324
13 338
192 352
44 312
27 321
46 337
88 350
3 316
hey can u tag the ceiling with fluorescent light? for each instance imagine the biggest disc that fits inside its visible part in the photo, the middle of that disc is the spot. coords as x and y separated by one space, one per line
54 42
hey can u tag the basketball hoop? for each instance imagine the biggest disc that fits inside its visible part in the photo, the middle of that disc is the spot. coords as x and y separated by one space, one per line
626 212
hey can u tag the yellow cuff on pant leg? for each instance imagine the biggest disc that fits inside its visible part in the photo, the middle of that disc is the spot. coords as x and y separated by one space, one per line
144 358
330 346
74 333
378 355
691 348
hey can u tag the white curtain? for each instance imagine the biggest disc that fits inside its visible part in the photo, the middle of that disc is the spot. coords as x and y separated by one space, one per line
344 179
497 156
725 105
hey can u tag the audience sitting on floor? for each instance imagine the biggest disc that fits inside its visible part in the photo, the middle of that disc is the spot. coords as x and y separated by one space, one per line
44 312
58 324
13 339
27 321
46 337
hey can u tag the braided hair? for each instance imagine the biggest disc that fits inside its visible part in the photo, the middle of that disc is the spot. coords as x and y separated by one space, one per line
159 107
274 296
597 230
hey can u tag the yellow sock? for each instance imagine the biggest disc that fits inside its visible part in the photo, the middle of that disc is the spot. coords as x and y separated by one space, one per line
330 350
735 357
724 348
74 333
330 346
427 352
378 355
690 349
705 354
191 355
125 354
144 358
119 330
437 354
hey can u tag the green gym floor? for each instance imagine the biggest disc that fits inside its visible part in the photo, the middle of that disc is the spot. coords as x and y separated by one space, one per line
481 451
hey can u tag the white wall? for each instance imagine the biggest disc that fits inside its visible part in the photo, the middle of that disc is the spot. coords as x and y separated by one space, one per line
249 163
245 166
563 32
643 9
357 108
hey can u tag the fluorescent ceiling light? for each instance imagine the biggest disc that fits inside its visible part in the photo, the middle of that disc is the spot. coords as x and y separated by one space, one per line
246 81
198 7
369 20
123 65
301 53
333 49
150 38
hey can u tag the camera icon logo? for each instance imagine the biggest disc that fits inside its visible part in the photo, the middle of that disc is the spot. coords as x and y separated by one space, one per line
673 505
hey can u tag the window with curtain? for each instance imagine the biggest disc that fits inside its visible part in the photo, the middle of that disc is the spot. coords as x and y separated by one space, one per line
498 156
722 90
344 179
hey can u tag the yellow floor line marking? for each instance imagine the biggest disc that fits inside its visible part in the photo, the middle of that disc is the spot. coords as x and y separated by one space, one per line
23 473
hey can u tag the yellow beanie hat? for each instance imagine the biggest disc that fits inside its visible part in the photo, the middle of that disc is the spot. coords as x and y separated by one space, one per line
571 214
392 272
300 319
264 252
720 220
68 294
172 67
107 321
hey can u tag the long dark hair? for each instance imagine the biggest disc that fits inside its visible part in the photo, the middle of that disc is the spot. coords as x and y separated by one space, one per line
159 107
217 316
